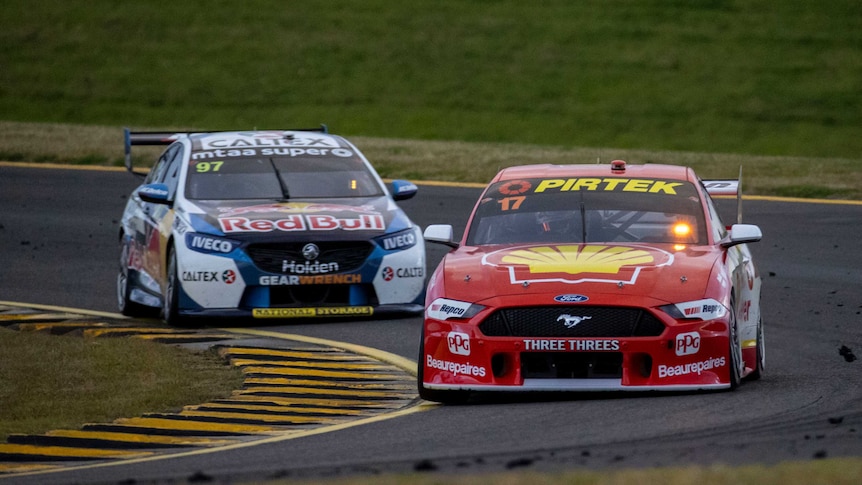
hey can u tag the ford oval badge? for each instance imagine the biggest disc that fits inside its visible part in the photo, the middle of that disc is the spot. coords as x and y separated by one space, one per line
570 298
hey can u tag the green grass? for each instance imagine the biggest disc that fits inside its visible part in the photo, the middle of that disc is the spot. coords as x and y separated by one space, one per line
62 382
432 160
717 76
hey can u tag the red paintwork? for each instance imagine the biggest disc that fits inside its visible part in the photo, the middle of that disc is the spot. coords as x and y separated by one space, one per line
675 274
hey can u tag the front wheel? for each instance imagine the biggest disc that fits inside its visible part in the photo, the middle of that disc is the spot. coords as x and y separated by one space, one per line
757 373
124 289
172 292
436 395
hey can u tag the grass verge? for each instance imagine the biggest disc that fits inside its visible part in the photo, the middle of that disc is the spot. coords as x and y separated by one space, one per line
755 76
457 161
52 382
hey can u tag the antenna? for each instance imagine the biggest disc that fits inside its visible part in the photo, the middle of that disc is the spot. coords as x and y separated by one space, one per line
739 198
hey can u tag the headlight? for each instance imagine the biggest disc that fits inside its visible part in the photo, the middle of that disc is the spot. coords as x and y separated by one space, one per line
444 309
708 309
204 243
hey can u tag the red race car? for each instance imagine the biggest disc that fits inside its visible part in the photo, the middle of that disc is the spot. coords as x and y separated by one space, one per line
593 278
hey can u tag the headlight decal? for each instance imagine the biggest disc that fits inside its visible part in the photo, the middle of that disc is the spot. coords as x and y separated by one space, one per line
444 309
707 309
398 241
207 244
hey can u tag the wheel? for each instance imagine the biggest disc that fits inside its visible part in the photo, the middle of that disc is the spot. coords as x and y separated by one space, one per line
735 351
172 292
124 290
757 373
444 397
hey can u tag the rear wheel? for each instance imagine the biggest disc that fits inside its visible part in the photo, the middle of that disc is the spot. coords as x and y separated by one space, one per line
735 350
757 373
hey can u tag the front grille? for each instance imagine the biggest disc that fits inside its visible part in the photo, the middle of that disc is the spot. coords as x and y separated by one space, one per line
583 321
568 365
322 295
349 255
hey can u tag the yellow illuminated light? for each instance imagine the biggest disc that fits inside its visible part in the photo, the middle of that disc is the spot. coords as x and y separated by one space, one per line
679 247
353 184
681 229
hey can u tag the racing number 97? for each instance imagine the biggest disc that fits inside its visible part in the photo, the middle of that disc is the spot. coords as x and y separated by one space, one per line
204 167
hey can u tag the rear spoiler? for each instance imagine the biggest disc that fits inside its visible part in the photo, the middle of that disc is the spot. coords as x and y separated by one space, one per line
727 188
166 138
145 138
720 188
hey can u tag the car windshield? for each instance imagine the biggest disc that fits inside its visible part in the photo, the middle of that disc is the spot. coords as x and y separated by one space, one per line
280 178
596 210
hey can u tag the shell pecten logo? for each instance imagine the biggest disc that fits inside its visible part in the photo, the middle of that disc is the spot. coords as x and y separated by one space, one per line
577 259
577 263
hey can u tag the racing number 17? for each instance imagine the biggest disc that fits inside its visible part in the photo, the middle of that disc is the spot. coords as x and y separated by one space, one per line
511 203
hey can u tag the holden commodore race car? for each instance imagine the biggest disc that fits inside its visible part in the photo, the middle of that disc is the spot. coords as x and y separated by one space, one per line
266 224
593 278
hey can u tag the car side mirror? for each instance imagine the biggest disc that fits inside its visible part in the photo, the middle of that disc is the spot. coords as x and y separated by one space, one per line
154 194
742 234
440 233
403 189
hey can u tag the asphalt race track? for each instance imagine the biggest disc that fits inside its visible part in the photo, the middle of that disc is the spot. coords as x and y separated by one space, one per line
58 231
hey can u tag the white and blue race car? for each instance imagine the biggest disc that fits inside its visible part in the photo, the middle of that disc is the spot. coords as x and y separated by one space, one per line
266 224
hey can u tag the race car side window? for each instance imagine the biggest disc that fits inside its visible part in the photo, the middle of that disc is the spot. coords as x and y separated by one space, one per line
716 225
158 170
151 176
157 174
174 158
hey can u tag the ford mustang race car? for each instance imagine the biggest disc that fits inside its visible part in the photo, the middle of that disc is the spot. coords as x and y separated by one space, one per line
266 224
593 278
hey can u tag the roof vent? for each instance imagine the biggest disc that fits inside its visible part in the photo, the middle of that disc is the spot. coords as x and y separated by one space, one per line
618 166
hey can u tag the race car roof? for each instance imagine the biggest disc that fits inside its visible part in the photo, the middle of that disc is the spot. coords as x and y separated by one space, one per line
131 138
616 168
260 139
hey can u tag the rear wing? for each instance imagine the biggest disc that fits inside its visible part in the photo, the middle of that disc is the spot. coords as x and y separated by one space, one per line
166 138
727 188
145 138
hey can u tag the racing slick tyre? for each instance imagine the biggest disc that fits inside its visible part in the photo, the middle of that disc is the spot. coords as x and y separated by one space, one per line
735 350
444 397
124 290
172 292
757 373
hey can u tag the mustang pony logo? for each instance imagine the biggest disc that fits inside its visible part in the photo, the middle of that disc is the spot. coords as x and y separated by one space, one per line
571 321
577 263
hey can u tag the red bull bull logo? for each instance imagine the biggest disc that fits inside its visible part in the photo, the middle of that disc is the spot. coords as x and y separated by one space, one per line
295 208
303 222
